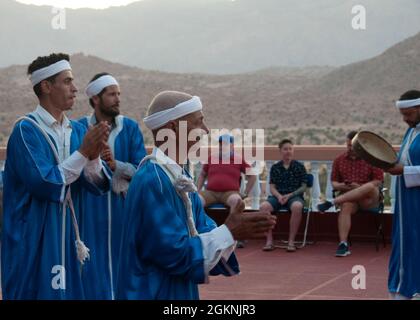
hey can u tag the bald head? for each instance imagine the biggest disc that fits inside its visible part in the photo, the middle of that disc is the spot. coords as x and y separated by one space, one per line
166 100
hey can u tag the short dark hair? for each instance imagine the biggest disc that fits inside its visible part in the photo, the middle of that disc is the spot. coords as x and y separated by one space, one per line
96 77
283 142
410 95
351 134
42 62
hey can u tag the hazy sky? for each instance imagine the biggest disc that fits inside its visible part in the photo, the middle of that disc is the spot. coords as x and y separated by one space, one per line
96 4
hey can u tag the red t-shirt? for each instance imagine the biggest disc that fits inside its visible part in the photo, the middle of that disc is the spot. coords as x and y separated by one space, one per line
346 169
224 177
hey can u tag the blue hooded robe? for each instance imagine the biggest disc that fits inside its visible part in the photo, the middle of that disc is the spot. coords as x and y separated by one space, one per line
38 254
159 258
404 264
102 228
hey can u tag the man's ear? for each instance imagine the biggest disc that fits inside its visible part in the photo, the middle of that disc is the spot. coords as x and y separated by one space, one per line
46 86
96 100
173 125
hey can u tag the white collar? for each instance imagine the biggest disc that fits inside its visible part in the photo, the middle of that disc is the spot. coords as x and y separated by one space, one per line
164 159
49 120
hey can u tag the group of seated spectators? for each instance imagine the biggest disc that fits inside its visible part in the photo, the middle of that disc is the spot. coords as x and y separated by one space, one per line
357 184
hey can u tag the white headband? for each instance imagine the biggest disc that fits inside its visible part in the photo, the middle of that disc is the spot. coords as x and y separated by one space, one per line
100 84
161 118
404 104
44 73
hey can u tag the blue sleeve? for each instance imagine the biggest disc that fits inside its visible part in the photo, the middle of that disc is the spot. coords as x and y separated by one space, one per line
34 163
206 224
161 235
137 145
203 222
101 189
227 268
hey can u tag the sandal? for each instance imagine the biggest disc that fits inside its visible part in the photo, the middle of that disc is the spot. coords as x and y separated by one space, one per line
268 247
291 248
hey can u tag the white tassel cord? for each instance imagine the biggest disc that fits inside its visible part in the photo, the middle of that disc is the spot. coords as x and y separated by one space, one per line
82 250
182 185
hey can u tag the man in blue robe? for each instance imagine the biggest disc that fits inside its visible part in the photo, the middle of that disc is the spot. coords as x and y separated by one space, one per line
404 264
170 245
51 163
103 228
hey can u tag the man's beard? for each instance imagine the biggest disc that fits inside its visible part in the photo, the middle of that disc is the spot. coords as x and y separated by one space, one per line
108 111
416 122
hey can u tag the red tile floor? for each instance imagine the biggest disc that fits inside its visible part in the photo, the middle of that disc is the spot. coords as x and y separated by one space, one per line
311 273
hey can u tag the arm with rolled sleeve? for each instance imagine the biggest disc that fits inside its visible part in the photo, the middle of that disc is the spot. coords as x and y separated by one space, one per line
72 167
94 171
412 176
124 171
96 177
122 175
217 244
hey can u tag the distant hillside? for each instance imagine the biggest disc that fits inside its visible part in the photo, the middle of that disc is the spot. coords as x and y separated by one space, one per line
362 93
229 100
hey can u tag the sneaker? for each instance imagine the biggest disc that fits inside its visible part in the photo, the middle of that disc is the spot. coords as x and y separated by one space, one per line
322 207
240 244
342 250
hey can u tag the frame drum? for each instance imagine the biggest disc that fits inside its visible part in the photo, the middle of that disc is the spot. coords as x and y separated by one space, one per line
374 150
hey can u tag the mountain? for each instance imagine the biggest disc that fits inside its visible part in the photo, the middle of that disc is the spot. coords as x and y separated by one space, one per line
210 36
361 94
230 100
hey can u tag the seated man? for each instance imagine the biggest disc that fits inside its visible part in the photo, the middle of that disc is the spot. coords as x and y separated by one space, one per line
359 185
224 179
288 182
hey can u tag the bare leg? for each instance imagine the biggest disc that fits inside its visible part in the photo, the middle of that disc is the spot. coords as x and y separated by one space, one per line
267 208
232 201
295 220
344 219
366 194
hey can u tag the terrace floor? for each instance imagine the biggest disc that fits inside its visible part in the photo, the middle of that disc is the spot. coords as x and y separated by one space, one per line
311 273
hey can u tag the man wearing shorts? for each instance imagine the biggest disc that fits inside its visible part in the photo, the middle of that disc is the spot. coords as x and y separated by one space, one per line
223 174
288 182
359 184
